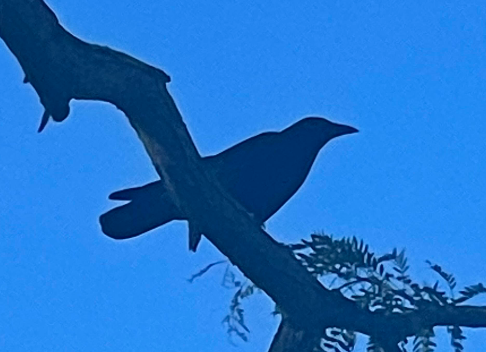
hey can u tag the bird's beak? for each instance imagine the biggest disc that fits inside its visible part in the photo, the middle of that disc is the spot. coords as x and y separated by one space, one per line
344 129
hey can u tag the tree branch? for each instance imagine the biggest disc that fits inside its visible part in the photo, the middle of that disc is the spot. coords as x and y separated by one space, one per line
435 315
291 339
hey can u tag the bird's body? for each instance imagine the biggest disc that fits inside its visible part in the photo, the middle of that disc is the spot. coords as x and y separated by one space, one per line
262 173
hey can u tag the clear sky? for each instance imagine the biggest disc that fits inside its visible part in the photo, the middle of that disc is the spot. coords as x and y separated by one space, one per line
411 76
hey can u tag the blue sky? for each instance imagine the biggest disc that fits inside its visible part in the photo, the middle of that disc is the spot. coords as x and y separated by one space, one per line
410 76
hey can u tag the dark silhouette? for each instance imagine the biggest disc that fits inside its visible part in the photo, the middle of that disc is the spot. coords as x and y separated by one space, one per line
262 173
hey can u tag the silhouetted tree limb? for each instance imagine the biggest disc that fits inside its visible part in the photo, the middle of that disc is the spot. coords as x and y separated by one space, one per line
61 67
292 339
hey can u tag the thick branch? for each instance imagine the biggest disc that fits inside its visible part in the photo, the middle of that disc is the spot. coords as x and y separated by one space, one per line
435 315
292 339
61 67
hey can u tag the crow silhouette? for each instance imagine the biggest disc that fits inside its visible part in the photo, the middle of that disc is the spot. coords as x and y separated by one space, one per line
262 173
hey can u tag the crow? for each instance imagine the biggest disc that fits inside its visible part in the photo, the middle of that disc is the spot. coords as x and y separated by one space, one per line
262 173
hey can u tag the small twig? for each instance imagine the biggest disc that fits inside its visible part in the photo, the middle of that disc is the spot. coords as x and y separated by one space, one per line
205 270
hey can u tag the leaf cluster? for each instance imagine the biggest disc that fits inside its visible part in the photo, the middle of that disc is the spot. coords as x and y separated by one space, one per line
380 283
234 321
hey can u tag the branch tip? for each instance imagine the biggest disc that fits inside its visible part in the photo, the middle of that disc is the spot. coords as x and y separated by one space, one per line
44 121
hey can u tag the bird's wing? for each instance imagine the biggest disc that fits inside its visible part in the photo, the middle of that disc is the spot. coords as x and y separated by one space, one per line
247 171
241 164
244 149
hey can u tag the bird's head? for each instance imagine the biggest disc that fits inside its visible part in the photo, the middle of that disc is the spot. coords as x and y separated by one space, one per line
318 130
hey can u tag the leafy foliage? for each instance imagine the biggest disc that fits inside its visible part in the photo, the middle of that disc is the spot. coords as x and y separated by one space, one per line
380 284
337 340
235 320
423 341
470 292
456 338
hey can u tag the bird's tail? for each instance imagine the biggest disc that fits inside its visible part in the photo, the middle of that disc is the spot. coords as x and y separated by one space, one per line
149 207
